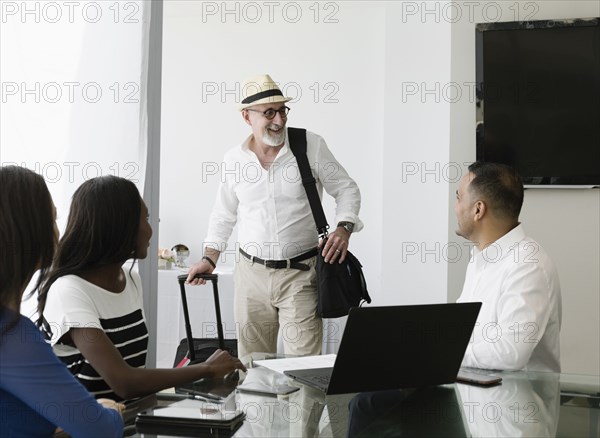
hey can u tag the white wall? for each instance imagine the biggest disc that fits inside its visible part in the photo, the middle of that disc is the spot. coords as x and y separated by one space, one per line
565 222
414 215
72 94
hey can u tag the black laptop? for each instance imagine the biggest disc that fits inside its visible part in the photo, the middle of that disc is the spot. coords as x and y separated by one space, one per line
397 347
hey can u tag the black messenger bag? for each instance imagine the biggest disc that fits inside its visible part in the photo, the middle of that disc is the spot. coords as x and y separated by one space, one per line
339 286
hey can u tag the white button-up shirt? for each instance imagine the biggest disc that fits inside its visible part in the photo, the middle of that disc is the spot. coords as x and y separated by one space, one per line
519 323
270 206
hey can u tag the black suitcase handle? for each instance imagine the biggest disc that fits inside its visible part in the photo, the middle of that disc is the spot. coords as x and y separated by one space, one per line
211 277
188 328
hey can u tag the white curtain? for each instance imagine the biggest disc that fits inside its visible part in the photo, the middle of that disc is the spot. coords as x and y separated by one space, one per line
73 92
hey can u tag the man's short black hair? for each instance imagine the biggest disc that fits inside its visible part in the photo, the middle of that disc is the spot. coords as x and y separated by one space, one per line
500 186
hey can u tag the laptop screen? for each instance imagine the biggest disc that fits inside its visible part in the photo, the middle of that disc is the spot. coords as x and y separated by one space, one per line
401 347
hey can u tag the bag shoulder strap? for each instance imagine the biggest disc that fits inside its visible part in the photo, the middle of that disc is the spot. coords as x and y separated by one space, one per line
297 138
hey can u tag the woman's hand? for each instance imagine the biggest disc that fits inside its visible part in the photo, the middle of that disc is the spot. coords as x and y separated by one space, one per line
221 363
111 404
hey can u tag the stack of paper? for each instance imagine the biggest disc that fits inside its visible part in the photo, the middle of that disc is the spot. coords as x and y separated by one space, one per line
298 363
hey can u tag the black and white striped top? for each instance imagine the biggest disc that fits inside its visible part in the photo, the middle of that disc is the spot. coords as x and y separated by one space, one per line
74 302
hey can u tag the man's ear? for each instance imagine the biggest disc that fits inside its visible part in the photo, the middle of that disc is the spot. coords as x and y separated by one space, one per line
246 117
480 210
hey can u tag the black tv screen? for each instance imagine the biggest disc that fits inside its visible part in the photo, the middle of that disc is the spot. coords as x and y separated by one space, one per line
538 99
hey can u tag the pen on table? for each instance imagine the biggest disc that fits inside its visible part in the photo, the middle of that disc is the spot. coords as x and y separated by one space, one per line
205 397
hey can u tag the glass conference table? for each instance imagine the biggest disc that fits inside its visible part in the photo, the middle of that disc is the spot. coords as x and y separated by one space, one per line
525 404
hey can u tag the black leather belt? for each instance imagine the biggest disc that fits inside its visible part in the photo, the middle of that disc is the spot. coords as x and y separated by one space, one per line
281 264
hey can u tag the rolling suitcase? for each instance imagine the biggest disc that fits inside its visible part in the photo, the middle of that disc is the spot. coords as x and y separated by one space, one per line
194 350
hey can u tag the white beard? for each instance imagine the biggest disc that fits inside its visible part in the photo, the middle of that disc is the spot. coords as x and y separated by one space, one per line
274 140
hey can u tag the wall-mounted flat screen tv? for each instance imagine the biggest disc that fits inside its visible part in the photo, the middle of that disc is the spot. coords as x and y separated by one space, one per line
538 99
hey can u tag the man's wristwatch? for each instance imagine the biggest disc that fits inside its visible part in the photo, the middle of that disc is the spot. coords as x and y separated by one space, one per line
348 226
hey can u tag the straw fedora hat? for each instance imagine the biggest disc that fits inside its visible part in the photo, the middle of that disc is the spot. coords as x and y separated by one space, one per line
261 89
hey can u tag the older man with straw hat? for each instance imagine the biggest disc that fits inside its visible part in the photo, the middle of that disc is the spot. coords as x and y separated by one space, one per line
274 278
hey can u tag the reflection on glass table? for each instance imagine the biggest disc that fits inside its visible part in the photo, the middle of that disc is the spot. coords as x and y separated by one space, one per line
524 404
432 411
303 412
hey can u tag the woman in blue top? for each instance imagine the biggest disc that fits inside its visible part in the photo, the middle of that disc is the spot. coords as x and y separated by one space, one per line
37 392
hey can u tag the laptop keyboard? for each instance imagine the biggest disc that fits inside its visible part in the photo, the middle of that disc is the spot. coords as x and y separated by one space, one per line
322 380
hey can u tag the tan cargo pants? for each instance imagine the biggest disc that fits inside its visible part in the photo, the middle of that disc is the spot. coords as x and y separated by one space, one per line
267 300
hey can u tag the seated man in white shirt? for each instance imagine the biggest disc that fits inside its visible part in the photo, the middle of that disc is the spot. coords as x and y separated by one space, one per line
519 323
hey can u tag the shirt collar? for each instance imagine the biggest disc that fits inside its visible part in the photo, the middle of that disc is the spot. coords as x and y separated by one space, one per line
501 247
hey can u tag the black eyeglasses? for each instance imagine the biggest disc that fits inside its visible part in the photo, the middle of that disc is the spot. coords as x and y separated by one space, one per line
270 113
